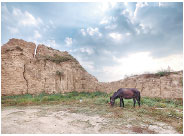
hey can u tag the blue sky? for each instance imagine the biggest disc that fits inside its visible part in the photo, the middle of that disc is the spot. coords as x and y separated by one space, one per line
110 40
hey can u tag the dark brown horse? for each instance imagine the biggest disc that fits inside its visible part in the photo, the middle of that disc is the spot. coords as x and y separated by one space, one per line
126 93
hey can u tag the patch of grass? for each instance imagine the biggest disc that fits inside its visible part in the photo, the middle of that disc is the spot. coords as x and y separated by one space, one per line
162 73
57 58
101 98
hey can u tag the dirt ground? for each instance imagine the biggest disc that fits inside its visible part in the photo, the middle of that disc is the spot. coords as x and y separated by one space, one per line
62 119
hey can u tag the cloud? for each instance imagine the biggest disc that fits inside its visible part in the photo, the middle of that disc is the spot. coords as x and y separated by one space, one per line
93 31
37 34
26 18
83 32
128 34
111 27
68 41
116 36
108 19
89 51
105 6
138 6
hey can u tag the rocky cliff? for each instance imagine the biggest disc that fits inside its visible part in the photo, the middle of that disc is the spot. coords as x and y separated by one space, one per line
49 70
27 69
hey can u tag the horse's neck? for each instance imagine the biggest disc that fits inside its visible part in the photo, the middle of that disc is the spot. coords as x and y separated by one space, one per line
115 96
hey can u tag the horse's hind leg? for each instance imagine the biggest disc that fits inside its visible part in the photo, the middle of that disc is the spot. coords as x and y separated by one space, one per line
134 101
123 102
120 101
138 100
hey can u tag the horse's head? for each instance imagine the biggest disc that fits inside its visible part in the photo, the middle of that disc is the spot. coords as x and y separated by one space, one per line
112 101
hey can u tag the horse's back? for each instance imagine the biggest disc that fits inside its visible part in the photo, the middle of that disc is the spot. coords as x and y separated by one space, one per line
127 89
128 92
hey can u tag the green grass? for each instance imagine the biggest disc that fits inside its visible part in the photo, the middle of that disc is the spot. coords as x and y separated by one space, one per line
98 98
29 99
162 73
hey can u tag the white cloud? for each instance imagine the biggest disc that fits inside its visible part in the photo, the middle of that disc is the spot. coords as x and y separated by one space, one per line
116 36
26 18
37 34
68 41
142 62
104 21
83 32
138 6
93 31
128 34
126 12
129 14
137 31
106 6
89 51
107 20
126 3
113 26
13 30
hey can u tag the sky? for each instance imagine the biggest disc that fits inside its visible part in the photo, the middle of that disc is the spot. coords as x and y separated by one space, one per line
111 40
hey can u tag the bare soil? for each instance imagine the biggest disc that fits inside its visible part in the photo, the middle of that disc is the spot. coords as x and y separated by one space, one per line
67 119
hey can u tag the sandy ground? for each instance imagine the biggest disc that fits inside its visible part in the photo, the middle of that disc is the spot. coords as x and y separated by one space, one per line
57 119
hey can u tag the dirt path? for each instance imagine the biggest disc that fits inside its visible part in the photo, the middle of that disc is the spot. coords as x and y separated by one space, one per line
58 119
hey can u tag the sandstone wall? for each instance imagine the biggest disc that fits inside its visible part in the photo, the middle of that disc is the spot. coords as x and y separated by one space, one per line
24 72
169 86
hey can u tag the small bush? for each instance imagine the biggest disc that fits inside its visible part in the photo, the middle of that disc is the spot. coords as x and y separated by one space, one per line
162 73
57 59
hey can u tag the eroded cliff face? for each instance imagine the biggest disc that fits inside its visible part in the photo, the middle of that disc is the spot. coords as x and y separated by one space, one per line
52 71
49 71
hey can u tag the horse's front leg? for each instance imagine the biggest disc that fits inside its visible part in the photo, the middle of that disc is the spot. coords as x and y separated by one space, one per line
134 101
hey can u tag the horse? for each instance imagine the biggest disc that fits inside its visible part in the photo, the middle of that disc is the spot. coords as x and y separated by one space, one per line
126 93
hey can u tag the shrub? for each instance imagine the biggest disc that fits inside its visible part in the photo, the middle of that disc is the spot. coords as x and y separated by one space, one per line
162 73
57 59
